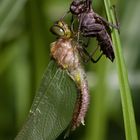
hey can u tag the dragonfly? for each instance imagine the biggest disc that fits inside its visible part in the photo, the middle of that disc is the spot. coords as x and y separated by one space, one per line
65 51
93 25
57 91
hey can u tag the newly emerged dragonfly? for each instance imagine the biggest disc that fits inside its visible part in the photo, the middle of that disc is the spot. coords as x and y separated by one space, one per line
65 51
55 100
93 25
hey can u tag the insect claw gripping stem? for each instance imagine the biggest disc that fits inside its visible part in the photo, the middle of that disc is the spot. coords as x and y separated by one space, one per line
115 13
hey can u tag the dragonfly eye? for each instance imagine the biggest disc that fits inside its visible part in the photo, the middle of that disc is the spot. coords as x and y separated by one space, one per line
57 30
61 29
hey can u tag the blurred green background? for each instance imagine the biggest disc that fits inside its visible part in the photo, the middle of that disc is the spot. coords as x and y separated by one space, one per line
24 54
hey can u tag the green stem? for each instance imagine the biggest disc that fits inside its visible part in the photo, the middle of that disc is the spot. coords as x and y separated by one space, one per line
127 106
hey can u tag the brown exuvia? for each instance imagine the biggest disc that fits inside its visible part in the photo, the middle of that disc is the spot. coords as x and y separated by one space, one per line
93 25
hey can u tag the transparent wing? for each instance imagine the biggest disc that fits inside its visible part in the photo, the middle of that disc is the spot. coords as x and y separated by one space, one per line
52 108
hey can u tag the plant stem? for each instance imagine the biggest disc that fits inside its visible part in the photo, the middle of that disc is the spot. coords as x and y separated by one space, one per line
127 106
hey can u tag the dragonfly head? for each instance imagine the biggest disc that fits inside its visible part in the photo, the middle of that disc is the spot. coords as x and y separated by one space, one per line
61 29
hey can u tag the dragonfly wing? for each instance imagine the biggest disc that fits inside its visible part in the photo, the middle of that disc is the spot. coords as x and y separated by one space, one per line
52 108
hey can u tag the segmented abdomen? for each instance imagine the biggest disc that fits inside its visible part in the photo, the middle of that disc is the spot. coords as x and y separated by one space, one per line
105 43
65 52
82 103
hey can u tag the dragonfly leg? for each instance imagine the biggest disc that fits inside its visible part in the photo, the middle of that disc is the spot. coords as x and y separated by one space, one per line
90 56
64 15
115 14
72 23
83 43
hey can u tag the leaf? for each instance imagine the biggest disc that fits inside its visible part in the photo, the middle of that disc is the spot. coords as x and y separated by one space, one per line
52 108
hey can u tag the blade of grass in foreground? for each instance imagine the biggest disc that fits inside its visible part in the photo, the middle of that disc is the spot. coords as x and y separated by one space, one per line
52 107
127 106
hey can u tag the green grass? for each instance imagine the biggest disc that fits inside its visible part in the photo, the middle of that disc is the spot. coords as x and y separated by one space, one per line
127 105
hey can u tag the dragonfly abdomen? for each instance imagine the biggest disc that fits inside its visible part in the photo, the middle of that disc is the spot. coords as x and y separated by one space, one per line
82 103
65 52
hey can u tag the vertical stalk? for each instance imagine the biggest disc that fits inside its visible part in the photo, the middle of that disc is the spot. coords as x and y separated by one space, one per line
127 106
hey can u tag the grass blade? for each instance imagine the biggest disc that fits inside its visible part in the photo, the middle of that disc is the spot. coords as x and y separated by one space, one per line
127 106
